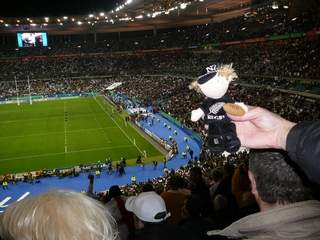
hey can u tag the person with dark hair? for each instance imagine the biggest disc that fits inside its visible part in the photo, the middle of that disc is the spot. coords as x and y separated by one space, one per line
191 153
287 209
199 187
215 177
192 218
148 187
155 164
138 161
121 170
241 189
90 186
174 197
224 203
116 207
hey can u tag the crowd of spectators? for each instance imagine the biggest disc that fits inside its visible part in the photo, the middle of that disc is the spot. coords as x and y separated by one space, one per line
261 20
208 193
281 63
200 199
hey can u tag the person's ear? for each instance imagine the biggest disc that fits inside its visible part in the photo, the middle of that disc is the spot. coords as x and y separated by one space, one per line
254 190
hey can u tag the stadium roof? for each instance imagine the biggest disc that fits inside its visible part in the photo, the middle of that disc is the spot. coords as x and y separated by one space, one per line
40 8
132 15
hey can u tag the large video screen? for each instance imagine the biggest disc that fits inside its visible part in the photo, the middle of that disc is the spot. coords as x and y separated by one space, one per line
32 39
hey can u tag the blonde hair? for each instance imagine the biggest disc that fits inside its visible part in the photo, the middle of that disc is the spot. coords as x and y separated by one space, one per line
224 70
57 215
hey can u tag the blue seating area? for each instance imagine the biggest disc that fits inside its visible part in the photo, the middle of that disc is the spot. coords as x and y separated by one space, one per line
79 183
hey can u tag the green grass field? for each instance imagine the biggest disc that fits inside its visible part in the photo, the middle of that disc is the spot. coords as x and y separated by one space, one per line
66 133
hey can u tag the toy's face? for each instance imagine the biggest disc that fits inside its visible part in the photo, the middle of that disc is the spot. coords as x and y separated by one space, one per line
215 87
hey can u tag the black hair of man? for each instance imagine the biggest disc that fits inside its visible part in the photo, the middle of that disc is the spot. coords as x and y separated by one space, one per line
276 180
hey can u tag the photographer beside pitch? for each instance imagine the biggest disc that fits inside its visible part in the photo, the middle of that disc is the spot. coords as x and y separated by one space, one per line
260 128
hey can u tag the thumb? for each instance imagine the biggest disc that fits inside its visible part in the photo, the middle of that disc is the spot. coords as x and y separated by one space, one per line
253 112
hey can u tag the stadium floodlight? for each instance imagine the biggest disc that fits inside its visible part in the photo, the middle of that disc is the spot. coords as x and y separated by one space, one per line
125 19
139 17
118 8
275 5
183 5
155 14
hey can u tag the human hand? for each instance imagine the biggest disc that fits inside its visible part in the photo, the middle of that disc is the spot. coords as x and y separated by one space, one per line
260 128
196 114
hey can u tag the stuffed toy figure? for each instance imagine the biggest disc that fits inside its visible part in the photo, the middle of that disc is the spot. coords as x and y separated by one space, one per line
214 83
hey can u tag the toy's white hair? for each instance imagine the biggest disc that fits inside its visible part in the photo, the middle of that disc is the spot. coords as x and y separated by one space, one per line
57 215
224 70
227 71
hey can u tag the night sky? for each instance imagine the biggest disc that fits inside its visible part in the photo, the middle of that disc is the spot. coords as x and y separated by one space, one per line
38 8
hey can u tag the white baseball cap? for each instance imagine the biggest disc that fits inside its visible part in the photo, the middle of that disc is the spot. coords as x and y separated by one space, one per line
148 207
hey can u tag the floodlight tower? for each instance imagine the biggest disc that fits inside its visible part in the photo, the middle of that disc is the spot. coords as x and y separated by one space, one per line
17 90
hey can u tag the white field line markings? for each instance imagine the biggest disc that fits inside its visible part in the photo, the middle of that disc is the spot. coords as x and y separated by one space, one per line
52 133
65 128
105 135
23 196
119 126
7 199
70 152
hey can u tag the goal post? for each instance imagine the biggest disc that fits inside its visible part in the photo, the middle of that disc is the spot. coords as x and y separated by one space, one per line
17 90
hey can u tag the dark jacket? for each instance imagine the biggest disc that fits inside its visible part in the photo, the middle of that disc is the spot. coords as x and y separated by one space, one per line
161 231
303 146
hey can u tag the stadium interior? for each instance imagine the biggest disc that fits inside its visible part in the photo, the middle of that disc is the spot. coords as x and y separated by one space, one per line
97 95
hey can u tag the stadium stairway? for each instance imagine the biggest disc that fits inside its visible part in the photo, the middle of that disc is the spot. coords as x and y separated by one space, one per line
17 192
